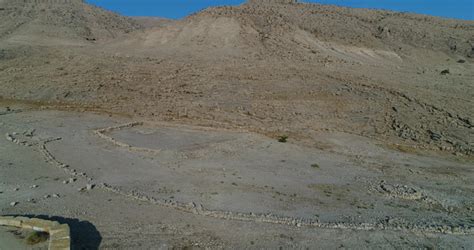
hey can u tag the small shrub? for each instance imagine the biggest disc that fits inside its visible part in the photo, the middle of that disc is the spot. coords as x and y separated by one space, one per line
283 138
37 237
315 165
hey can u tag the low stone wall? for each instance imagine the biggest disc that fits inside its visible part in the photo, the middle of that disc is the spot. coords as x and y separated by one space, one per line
59 234
102 134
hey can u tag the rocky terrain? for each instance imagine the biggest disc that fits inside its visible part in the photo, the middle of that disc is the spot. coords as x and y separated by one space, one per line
63 21
382 99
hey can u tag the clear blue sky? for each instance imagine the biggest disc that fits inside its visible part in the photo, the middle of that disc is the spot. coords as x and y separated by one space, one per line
462 9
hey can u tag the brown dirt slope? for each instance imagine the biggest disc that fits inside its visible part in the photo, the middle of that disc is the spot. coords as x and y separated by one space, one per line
358 27
275 67
39 21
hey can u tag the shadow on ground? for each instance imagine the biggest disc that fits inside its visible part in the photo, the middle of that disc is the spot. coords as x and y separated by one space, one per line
84 235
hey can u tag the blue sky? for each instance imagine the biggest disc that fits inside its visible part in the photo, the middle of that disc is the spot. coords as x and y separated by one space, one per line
462 9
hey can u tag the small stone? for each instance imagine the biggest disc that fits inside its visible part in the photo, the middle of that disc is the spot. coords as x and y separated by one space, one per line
47 196
80 189
29 133
56 196
16 189
13 203
34 186
9 137
90 186
435 136
65 182
71 180
445 72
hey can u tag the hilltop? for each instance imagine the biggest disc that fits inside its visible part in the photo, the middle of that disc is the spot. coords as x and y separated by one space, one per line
60 21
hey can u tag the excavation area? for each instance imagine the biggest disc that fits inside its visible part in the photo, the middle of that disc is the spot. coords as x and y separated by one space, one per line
139 183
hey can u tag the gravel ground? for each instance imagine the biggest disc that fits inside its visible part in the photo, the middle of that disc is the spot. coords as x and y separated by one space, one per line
117 194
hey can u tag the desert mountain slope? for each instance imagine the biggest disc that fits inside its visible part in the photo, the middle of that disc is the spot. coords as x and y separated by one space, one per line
275 67
152 22
276 20
48 21
288 29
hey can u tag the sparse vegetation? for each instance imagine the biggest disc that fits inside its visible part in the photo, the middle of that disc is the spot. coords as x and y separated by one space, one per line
283 138
315 165
37 237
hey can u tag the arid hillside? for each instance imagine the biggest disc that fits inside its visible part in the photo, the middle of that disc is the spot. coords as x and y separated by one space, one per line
269 125
58 21
276 67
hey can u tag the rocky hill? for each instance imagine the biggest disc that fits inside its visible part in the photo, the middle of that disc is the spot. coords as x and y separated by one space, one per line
272 66
277 19
33 21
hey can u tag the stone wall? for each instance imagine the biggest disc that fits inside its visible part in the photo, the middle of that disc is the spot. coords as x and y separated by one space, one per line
59 234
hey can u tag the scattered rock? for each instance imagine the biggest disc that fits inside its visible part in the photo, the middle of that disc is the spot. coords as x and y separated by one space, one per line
401 191
29 133
70 180
56 196
434 135
34 186
90 186
9 137
445 72
461 61
47 196
16 189
13 203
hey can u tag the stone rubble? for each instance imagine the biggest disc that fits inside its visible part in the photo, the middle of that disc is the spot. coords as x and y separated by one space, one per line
90 186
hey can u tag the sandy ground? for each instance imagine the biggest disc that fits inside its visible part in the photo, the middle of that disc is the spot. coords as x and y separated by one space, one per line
172 185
